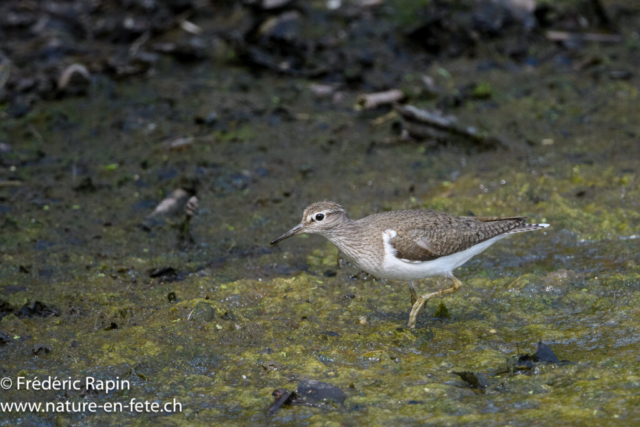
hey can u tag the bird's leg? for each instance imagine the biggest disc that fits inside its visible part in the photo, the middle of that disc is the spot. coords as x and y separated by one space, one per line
417 306
414 295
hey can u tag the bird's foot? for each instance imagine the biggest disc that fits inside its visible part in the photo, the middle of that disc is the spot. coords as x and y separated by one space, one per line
415 309
420 302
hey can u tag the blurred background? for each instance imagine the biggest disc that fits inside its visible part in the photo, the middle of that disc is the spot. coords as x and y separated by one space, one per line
150 150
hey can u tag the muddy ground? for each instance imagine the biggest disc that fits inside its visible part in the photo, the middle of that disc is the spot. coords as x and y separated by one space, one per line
207 313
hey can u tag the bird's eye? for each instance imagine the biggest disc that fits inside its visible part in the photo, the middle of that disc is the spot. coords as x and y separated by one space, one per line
319 217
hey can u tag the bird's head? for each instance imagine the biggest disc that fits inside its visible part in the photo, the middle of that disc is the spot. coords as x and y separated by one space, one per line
319 218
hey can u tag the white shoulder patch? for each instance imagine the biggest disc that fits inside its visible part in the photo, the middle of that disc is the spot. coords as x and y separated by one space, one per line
387 235
389 250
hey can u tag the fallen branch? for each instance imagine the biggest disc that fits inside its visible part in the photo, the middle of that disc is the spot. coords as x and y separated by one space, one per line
321 90
179 144
373 100
423 124
563 36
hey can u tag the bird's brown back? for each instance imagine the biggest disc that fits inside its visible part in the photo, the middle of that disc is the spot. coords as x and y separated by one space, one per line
424 235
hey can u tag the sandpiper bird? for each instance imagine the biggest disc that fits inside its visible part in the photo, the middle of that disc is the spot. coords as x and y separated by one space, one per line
408 245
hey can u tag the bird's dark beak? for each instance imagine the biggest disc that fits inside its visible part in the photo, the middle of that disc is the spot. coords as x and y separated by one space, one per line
295 230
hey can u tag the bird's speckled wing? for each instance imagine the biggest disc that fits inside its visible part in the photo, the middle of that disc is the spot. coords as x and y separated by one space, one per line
427 237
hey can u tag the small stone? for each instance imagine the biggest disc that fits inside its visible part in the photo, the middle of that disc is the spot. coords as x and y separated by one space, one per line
208 119
318 391
545 354
363 321
271 365
203 312
474 379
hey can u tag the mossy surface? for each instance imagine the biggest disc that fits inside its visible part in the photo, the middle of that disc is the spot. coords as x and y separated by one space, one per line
247 318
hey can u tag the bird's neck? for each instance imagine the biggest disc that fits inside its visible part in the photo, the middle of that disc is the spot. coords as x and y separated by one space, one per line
347 237
346 228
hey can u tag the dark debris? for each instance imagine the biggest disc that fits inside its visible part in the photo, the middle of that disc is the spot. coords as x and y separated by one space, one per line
53 48
172 297
312 393
543 355
474 379
320 392
528 362
37 309
5 338
283 397
41 349
162 272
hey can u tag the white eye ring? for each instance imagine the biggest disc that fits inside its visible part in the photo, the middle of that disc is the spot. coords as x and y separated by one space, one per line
319 217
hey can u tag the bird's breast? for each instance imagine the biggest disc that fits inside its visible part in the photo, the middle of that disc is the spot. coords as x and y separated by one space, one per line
362 255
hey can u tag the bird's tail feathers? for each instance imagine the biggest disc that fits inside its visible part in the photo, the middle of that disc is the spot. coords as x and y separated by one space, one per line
528 227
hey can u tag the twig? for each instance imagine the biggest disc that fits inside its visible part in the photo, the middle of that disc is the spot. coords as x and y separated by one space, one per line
35 133
425 124
179 144
373 100
283 397
514 282
563 36
383 119
138 43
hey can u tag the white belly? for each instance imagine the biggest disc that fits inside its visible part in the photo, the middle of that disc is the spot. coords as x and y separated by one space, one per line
398 269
